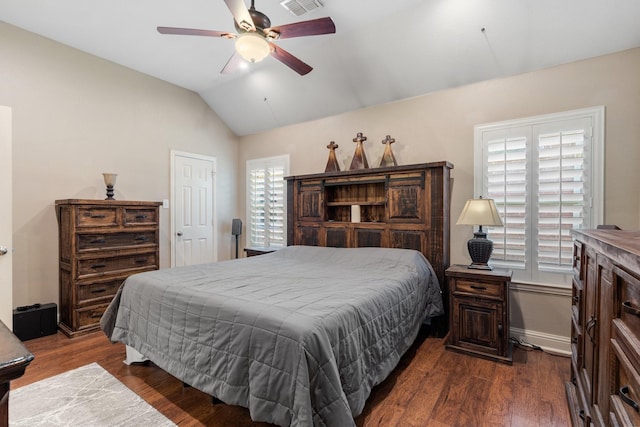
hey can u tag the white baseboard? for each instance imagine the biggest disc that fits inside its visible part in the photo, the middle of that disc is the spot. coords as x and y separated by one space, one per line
552 344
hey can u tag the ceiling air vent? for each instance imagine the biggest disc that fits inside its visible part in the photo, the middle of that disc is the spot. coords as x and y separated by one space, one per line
300 7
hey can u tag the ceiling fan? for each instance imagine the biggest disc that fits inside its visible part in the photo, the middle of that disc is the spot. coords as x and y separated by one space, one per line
255 37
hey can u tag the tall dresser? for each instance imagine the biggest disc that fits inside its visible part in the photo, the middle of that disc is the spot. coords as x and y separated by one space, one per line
101 243
604 389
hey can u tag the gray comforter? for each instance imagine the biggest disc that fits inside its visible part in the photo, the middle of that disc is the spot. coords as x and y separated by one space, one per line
298 336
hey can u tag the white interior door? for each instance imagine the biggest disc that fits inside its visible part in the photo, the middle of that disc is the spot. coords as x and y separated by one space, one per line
193 232
6 279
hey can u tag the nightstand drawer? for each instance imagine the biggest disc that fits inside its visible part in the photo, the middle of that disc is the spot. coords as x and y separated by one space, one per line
479 289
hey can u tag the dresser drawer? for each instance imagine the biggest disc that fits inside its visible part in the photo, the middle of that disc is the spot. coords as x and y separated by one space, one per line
577 306
96 216
479 289
140 216
88 292
625 396
122 263
628 298
114 240
89 317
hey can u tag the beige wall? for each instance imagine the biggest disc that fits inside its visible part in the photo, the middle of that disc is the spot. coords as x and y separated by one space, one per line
76 116
439 126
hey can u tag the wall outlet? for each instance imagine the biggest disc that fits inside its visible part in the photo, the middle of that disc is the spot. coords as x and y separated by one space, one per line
165 203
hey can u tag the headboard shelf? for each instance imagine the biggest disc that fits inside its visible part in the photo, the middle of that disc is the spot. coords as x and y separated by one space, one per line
400 207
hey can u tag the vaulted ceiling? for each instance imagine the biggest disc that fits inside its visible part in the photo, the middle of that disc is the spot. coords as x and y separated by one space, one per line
382 50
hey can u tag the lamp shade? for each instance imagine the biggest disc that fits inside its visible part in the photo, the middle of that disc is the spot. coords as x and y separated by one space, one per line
252 47
480 212
110 178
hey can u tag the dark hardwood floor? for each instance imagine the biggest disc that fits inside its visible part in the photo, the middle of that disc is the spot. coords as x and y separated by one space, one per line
430 387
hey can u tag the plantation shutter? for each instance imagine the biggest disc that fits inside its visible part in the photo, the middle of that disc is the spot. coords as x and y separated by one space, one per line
543 174
274 183
266 210
257 197
506 182
562 192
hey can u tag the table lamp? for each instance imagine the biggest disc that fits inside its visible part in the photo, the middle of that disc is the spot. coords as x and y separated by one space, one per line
480 212
110 182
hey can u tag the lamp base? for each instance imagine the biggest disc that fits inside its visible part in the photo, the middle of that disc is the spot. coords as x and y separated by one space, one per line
478 266
109 192
480 249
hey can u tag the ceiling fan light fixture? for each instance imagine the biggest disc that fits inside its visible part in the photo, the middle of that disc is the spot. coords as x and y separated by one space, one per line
252 47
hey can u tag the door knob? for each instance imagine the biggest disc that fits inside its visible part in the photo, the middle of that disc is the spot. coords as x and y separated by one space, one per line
179 233
3 250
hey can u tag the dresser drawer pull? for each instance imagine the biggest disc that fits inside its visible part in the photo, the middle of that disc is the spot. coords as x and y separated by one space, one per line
480 288
98 291
627 307
142 238
96 315
98 241
99 216
141 217
582 415
141 261
624 395
591 324
98 265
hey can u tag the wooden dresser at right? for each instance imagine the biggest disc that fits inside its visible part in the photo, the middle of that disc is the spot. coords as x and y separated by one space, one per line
604 388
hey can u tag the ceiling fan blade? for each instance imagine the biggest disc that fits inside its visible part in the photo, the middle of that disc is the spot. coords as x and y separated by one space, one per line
233 64
289 60
241 14
195 32
313 27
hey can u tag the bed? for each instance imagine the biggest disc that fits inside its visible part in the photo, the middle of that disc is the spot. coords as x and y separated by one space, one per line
298 336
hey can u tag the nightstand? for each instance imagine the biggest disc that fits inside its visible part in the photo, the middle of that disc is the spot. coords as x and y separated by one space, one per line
479 312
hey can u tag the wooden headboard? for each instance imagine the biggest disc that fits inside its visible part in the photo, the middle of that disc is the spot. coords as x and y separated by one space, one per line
399 207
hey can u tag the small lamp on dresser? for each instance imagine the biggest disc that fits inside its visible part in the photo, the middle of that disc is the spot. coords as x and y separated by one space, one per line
480 212
110 182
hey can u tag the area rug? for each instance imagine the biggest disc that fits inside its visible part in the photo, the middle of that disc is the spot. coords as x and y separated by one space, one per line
86 396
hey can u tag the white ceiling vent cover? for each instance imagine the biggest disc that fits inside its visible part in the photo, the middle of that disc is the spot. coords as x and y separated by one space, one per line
300 7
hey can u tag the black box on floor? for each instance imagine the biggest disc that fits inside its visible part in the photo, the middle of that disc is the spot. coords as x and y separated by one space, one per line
35 322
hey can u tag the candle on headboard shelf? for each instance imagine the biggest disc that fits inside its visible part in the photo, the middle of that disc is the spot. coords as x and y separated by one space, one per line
355 213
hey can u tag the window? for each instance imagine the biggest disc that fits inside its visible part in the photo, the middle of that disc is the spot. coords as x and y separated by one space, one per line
266 202
545 174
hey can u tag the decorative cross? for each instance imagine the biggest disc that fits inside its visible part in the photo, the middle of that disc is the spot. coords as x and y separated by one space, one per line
359 160
388 159
359 138
332 163
388 140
